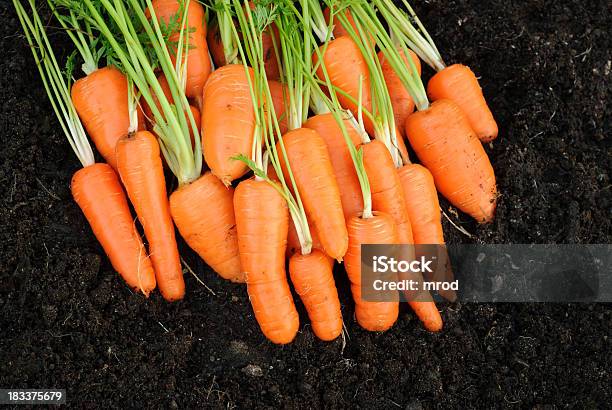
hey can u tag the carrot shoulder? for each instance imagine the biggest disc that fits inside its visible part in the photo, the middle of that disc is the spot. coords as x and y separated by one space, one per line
98 192
447 146
141 171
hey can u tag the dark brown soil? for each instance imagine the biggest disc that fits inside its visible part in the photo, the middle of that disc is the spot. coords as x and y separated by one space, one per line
67 321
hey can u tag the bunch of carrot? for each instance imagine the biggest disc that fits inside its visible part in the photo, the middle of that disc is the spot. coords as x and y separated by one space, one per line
301 126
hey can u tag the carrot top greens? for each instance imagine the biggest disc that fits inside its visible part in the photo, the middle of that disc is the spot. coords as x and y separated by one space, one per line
56 84
402 26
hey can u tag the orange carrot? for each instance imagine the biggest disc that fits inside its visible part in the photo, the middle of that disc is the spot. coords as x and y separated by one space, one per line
228 121
97 190
423 206
262 221
347 70
314 177
459 84
446 144
204 215
313 280
268 38
163 82
279 96
140 168
198 61
344 169
424 212
387 193
402 102
215 44
378 229
101 100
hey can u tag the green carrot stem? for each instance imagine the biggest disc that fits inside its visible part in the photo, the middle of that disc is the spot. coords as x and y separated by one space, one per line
56 86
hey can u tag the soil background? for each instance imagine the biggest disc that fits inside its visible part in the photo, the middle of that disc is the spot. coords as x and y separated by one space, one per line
67 321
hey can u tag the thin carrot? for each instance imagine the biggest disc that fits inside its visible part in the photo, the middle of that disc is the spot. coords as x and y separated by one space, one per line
95 187
402 102
305 162
314 176
423 206
387 193
313 280
262 221
212 234
340 157
228 121
197 59
456 82
141 171
97 190
424 213
446 144
378 229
